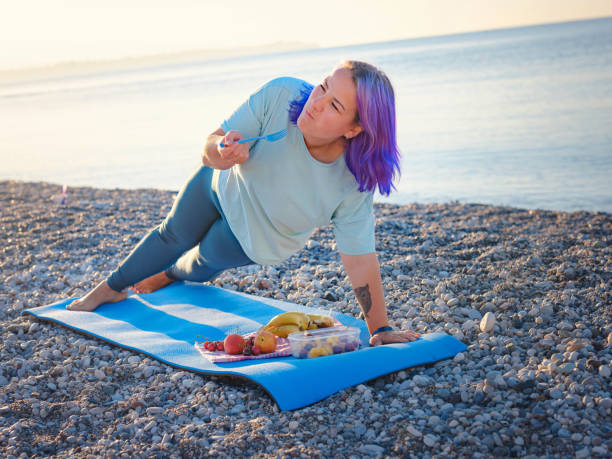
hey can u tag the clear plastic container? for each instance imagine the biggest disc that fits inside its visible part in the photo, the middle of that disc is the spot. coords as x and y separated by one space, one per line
324 341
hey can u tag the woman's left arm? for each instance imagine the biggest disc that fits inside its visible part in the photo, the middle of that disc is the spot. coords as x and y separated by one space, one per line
364 274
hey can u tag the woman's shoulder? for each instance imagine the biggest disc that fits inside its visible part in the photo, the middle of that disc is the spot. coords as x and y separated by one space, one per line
287 84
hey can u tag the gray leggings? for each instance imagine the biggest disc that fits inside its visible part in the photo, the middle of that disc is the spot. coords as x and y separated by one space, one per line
193 243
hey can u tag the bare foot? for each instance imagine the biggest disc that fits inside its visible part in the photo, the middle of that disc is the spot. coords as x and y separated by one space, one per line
99 295
394 336
152 283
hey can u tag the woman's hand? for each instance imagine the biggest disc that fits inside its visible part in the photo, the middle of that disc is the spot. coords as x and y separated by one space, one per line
394 336
232 152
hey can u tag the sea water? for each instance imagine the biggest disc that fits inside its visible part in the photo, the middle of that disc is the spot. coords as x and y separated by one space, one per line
519 117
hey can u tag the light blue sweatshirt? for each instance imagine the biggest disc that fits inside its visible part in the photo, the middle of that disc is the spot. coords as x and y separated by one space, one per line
274 201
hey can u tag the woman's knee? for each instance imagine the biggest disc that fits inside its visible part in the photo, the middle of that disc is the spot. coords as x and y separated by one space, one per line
170 235
220 248
192 213
204 174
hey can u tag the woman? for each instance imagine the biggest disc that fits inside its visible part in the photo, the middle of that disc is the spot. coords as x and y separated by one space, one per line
259 202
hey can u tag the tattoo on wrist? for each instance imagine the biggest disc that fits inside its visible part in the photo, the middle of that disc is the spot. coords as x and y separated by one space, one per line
364 298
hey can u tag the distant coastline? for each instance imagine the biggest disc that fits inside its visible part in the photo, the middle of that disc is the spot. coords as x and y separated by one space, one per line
69 68
79 67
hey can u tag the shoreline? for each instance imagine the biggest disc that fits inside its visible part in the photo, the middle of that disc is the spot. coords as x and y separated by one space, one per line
385 202
537 384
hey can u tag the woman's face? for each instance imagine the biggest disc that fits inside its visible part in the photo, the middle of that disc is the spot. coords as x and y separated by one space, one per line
330 111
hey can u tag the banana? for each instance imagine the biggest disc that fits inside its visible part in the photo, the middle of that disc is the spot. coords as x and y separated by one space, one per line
291 322
298 319
284 330
320 321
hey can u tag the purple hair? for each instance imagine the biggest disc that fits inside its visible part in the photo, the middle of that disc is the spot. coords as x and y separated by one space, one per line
372 156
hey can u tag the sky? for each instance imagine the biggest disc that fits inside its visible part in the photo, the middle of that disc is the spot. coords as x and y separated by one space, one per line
44 32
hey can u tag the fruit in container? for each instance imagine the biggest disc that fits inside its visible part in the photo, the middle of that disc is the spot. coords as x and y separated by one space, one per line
323 342
234 344
320 351
265 341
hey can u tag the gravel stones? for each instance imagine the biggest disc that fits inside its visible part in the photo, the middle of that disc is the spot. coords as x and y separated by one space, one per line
372 450
421 380
430 440
535 384
487 323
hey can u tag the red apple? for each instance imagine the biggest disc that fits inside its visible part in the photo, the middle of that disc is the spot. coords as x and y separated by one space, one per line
233 344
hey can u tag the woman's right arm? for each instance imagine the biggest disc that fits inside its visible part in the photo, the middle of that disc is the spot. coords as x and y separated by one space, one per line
225 157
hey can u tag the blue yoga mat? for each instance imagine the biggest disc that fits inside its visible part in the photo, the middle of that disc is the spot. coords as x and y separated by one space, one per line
166 324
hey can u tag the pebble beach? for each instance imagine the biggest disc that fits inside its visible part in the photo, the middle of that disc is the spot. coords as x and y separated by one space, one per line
528 292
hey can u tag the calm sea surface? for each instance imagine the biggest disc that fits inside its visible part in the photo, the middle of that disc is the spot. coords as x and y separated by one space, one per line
519 117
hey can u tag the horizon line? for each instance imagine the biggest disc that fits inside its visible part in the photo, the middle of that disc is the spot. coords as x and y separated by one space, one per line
63 67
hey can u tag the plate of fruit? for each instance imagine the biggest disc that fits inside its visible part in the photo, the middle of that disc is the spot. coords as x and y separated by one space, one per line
273 339
256 345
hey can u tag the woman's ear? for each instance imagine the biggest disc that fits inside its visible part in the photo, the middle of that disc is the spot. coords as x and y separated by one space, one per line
354 131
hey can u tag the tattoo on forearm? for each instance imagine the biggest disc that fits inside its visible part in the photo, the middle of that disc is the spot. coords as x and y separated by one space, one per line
364 298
